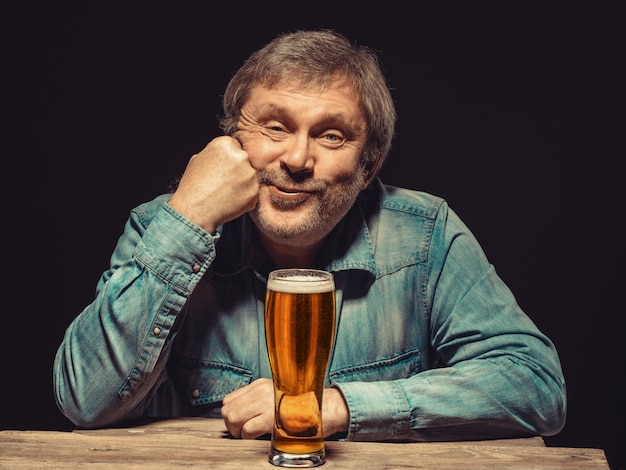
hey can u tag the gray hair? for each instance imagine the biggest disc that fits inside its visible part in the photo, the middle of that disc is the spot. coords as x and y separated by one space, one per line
316 59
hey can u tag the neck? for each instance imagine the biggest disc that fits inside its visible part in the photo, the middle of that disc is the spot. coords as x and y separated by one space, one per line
290 256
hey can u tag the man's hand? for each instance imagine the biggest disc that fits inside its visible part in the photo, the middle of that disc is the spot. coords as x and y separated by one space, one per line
249 411
219 185
335 412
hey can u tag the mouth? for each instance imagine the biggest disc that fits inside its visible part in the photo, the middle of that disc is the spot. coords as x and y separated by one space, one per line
285 191
288 197
288 190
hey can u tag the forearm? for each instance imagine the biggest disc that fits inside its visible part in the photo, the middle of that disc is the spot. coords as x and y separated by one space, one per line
335 412
113 354
483 398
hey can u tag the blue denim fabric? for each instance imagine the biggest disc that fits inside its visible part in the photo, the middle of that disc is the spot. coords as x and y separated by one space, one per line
430 343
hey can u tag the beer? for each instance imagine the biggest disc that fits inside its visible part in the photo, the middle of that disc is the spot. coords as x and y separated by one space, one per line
299 326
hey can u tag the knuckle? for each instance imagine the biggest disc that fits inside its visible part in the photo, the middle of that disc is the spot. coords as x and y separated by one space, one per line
245 430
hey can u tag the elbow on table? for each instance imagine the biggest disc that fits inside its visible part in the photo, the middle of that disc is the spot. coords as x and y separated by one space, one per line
89 414
552 411
82 412
86 405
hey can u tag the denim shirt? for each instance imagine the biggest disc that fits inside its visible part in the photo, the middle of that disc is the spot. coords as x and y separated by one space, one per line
430 343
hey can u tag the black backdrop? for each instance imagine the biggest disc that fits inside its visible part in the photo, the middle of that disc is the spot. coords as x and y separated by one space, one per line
511 110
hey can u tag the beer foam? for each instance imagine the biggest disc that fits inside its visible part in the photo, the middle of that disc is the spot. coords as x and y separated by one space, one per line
300 284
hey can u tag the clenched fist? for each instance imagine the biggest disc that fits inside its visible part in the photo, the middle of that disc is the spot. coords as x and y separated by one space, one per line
218 185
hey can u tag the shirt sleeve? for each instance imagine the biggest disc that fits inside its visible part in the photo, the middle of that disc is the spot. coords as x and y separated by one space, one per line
498 377
113 355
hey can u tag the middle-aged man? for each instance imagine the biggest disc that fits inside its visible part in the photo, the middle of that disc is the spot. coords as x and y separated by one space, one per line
430 343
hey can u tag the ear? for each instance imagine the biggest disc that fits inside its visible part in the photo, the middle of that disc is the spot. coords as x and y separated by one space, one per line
372 171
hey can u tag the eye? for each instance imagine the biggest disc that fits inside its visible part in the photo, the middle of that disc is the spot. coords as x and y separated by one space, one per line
332 138
274 126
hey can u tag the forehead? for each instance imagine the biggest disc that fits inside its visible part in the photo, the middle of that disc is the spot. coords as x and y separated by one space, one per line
306 80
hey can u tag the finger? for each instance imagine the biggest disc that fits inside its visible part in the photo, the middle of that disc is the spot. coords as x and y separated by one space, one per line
234 430
236 138
236 411
257 426
232 143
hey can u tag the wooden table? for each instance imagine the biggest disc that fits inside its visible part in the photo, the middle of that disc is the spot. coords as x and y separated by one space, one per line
195 443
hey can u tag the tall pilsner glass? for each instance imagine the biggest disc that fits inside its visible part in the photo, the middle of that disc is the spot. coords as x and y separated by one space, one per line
300 330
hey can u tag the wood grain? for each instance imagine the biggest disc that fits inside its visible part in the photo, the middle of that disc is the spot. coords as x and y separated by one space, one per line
195 443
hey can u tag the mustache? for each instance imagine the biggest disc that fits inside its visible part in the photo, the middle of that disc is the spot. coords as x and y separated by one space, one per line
284 179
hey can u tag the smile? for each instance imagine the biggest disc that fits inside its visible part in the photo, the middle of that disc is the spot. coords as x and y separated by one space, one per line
288 197
288 191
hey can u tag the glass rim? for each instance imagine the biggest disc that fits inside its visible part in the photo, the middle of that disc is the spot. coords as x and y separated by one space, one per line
301 281
299 274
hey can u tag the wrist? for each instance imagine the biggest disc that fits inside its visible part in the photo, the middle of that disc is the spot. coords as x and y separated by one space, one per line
335 412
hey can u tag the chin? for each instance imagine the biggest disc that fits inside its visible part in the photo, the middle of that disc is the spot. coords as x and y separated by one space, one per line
287 231
290 236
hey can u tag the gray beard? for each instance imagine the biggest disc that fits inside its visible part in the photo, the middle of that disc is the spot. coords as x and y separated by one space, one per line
328 205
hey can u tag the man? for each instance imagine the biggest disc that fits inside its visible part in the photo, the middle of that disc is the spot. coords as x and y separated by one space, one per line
430 343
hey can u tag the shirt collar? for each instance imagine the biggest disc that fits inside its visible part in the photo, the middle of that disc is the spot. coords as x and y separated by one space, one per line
350 245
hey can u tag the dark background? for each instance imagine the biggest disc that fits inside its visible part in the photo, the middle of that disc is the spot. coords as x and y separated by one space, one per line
511 110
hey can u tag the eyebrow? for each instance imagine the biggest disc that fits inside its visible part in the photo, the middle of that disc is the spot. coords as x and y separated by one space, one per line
327 119
273 108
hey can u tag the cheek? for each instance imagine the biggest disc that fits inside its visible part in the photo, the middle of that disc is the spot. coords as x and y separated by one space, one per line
341 170
260 153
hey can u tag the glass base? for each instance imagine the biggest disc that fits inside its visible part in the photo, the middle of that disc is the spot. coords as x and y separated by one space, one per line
282 459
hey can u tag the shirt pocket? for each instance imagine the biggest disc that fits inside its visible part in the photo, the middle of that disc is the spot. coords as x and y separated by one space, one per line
201 382
401 366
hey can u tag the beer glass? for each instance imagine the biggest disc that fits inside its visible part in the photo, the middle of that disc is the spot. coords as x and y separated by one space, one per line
300 330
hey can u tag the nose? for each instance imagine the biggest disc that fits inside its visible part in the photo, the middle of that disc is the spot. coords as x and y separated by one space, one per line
298 157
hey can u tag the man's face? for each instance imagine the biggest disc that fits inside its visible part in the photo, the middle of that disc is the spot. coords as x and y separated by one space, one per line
305 145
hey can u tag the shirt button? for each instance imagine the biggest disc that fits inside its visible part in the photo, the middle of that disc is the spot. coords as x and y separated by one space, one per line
195 268
195 393
156 331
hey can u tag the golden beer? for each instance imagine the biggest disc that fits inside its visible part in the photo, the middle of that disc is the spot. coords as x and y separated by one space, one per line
299 328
